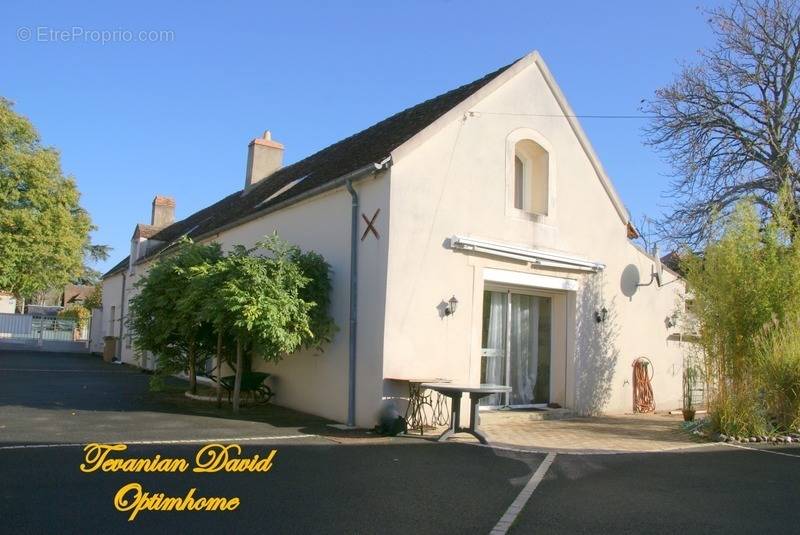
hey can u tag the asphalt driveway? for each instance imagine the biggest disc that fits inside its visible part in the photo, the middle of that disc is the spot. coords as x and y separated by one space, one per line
75 398
321 482
703 490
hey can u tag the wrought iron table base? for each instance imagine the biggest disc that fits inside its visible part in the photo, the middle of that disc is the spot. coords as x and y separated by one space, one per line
416 415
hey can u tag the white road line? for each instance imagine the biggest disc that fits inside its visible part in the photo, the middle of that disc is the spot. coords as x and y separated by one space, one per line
55 370
760 450
516 506
155 442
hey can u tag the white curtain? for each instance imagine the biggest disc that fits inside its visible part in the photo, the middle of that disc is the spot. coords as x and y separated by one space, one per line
520 366
524 348
494 344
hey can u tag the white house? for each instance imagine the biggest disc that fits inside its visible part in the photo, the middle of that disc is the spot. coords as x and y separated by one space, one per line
491 194
8 303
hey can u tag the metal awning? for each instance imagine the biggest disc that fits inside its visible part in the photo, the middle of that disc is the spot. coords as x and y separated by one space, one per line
534 256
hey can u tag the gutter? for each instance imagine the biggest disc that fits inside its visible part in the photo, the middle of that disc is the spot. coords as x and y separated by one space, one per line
352 338
347 181
358 174
352 335
121 316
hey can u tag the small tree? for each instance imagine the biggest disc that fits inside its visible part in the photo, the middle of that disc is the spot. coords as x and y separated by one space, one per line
266 301
165 315
317 292
95 298
206 280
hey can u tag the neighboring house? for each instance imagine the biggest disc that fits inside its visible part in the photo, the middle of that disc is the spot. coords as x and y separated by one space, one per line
76 294
43 310
8 303
49 303
491 194
49 298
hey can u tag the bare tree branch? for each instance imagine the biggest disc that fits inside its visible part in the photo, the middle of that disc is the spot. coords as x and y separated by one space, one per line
730 124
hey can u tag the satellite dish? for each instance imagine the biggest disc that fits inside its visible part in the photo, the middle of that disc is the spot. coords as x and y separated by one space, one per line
658 269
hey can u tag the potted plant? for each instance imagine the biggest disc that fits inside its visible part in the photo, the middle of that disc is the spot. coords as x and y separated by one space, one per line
689 382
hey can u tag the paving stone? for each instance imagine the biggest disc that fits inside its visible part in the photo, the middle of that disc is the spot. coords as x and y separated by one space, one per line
622 433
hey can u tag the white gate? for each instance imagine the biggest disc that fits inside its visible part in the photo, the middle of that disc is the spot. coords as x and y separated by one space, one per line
44 332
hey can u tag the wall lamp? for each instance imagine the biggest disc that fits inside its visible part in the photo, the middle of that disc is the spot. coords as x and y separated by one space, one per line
600 315
450 309
671 321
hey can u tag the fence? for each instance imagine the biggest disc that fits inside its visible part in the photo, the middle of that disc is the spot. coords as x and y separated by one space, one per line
33 327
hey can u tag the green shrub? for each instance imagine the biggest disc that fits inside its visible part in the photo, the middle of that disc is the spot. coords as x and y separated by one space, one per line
746 279
95 298
739 413
77 313
778 357
743 280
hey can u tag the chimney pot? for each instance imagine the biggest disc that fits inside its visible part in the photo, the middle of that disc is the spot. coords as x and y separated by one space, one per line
163 213
264 157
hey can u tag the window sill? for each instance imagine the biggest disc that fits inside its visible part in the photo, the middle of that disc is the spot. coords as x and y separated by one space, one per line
523 215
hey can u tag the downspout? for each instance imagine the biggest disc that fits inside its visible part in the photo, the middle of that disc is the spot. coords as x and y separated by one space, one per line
351 382
121 315
352 338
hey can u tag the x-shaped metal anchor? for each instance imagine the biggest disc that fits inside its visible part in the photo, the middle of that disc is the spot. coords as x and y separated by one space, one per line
370 225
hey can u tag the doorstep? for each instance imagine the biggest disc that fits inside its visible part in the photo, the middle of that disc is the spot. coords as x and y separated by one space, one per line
532 415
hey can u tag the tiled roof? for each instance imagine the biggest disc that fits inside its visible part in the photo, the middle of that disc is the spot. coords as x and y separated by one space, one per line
145 231
76 292
368 146
119 266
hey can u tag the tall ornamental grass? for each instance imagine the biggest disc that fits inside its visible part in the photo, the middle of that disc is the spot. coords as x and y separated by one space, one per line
745 289
778 364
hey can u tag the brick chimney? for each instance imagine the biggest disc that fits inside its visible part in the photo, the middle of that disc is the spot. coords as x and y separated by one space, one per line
163 211
264 157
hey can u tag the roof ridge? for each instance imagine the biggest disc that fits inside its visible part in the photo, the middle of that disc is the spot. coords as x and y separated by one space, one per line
368 145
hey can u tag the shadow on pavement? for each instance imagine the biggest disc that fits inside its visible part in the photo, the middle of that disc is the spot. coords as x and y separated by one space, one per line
310 489
709 490
50 392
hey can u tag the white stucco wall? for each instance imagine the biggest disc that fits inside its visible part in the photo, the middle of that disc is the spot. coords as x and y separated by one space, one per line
113 302
112 288
454 181
8 304
96 331
317 383
310 381
451 180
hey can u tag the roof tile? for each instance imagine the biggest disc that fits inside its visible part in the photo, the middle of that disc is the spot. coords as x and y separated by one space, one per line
371 145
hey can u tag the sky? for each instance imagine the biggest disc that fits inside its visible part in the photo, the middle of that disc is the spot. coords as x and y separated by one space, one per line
144 98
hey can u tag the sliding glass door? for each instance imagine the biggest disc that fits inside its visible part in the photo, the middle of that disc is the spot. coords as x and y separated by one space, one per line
516 347
493 347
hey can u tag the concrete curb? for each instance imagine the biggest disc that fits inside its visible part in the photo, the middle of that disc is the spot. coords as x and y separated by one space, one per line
198 397
561 451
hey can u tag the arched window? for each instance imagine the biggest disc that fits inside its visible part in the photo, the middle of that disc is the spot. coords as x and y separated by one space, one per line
531 169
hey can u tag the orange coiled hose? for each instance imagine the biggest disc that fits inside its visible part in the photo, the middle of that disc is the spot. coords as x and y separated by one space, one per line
642 388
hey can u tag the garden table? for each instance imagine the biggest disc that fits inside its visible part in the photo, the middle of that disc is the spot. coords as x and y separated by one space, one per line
455 393
418 398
